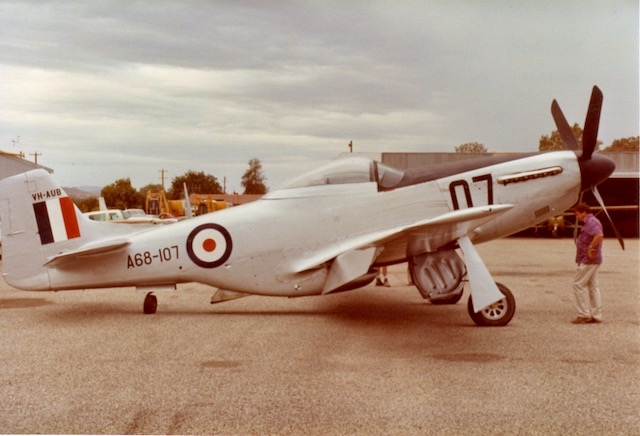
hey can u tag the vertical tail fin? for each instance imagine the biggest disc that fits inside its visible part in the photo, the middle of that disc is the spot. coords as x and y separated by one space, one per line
40 221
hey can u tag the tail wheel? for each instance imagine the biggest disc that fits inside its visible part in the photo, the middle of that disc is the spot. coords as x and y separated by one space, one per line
150 304
498 314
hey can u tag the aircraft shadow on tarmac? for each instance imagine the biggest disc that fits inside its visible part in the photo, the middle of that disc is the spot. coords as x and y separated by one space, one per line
356 308
23 303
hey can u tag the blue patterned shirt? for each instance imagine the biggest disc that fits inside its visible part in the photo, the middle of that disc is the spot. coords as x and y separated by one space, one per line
591 226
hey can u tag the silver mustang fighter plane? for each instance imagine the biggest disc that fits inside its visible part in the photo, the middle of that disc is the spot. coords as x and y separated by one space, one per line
327 231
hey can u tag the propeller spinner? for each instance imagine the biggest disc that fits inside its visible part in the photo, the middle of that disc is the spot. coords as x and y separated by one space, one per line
593 169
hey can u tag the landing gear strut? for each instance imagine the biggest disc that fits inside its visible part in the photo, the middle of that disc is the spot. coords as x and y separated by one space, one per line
150 304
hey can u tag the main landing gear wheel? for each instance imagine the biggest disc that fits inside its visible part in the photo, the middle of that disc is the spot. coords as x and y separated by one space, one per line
498 314
150 304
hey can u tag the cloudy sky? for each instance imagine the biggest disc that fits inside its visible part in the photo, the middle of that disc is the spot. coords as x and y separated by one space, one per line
113 89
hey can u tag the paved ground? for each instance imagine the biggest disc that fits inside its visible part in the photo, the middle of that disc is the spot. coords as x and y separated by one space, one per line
371 361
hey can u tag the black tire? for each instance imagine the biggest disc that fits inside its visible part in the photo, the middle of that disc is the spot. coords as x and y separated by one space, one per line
449 300
150 304
498 314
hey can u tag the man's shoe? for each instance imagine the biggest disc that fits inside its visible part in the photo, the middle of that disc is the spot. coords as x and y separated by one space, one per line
580 320
595 321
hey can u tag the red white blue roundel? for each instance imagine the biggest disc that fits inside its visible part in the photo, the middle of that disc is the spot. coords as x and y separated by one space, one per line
209 245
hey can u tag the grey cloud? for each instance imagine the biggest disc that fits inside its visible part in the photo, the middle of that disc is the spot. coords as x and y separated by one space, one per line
195 81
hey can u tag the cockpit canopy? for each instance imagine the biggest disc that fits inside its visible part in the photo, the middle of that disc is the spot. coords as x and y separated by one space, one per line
356 169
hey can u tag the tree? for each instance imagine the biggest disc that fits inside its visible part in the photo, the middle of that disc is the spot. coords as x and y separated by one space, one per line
253 179
88 204
631 143
554 142
156 188
151 187
197 183
121 195
471 147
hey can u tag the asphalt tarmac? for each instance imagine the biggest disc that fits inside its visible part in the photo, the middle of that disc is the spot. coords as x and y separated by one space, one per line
371 361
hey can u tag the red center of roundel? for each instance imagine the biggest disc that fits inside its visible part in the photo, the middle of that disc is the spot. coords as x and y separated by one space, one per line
209 245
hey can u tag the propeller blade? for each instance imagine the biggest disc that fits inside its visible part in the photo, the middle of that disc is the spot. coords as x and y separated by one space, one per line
568 138
591 124
599 198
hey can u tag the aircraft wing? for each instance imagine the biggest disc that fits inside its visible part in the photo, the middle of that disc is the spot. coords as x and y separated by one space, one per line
353 257
435 232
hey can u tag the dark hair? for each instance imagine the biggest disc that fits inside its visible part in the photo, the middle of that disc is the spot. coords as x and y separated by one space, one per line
582 207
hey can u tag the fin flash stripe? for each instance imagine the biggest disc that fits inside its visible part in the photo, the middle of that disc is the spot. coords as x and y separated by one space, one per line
56 220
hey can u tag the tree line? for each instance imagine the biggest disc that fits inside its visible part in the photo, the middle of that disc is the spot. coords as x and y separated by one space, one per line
122 195
553 142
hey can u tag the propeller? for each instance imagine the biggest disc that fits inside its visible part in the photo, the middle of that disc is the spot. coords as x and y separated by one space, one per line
601 202
591 124
564 129
594 169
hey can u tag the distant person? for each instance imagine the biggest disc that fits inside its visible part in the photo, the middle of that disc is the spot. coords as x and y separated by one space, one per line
382 279
589 259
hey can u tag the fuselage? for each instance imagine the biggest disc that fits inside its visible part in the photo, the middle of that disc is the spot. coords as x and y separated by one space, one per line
252 248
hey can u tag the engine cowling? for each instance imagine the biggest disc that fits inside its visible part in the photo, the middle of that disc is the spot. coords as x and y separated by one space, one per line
438 275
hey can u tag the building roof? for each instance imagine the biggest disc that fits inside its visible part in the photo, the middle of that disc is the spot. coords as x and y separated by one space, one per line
14 163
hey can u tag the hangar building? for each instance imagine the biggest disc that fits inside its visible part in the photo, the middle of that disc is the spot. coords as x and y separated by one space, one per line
14 163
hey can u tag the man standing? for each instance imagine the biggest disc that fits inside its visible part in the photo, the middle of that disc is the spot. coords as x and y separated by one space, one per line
588 258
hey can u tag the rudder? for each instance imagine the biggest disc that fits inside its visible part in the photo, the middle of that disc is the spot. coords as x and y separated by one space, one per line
39 220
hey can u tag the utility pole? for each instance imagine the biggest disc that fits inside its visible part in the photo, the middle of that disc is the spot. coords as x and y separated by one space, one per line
36 154
162 173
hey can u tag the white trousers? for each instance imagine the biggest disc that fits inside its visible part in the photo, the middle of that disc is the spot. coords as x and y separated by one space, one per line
587 292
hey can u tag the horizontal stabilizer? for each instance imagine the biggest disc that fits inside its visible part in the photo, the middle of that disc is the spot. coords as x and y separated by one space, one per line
93 249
